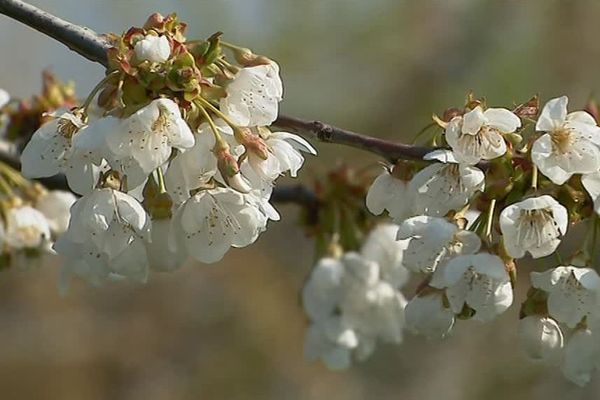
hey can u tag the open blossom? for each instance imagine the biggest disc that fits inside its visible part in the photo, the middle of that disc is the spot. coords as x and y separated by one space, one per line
433 241
212 221
50 151
446 185
284 154
26 228
382 247
541 338
426 314
477 135
106 238
149 135
570 144
331 341
534 225
193 168
390 193
153 48
56 205
581 356
573 292
253 96
591 183
479 281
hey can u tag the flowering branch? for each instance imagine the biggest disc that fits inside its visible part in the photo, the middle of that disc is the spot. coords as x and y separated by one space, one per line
93 46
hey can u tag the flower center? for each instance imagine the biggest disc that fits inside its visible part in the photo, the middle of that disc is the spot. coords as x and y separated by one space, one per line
537 227
561 140
67 128
163 121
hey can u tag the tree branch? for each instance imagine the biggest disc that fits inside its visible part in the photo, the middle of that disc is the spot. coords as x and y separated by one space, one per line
93 47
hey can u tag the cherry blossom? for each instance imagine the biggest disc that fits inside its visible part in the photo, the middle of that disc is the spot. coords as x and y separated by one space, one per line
581 357
479 281
382 247
56 205
390 193
478 135
446 185
570 144
26 228
573 292
426 314
534 225
253 96
331 341
540 337
433 241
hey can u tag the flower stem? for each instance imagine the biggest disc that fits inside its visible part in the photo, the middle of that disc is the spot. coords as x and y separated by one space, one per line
97 88
218 112
490 220
221 143
161 180
534 177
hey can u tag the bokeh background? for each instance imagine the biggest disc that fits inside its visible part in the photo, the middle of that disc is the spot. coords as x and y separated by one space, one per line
235 330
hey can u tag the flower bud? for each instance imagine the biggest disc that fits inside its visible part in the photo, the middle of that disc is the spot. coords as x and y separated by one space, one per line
253 143
540 337
154 21
155 49
230 170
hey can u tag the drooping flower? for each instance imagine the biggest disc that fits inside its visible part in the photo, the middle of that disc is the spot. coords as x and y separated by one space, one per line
581 357
150 134
479 281
478 135
26 228
573 292
106 238
570 144
253 96
284 153
322 291
382 247
392 194
426 314
50 151
534 225
212 221
446 185
55 206
155 49
433 241
540 337
331 341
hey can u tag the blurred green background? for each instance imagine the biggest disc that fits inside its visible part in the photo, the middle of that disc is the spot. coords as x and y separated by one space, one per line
235 330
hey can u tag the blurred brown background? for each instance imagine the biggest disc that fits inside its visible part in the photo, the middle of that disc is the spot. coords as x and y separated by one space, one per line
235 330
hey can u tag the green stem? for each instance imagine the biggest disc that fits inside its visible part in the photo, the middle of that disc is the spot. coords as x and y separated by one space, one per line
490 220
218 112
221 144
97 88
161 180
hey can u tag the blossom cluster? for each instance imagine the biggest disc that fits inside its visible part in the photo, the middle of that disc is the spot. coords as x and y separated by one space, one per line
171 154
505 184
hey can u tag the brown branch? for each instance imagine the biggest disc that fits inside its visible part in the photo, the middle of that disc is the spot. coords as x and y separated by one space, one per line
93 47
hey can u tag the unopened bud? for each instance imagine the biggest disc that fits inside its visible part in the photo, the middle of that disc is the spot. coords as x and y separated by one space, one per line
540 337
450 113
226 162
154 21
238 183
530 109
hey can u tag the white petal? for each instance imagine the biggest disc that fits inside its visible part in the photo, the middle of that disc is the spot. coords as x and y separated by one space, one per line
502 119
553 114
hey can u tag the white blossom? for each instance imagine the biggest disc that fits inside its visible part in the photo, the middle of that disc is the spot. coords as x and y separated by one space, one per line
570 144
540 337
253 96
155 49
392 194
106 238
322 291
427 315
212 221
581 357
149 135
56 205
479 281
478 135
573 292
446 185
382 247
50 151
433 241
284 154
4 98
331 341
26 228
591 183
534 225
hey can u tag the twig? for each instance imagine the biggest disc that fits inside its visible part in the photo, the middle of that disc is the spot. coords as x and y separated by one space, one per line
93 47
